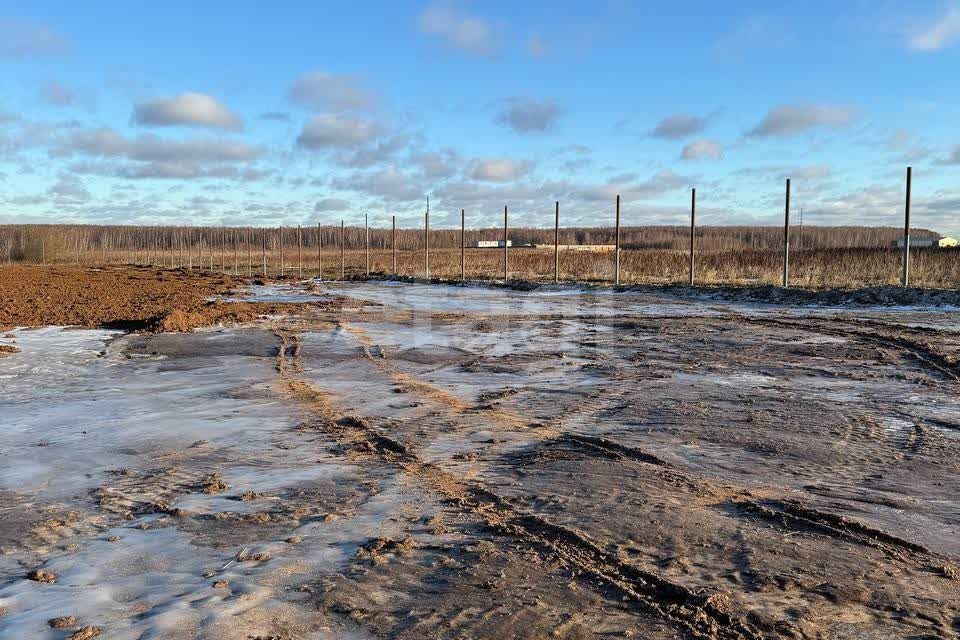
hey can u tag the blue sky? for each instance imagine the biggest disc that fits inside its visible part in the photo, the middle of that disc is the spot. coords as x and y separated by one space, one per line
287 113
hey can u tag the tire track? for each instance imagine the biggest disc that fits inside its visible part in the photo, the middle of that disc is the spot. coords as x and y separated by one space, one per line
700 614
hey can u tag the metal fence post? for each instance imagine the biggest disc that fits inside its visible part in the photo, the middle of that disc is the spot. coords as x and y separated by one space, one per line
616 268
693 231
786 237
506 260
556 242
905 280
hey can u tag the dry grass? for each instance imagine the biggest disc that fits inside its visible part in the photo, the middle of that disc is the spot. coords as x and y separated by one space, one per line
810 268
831 257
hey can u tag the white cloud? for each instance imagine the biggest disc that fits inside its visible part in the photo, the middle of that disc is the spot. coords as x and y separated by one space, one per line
467 33
389 184
702 149
148 156
498 169
437 164
939 34
953 157
56 94
331 92
187 109
679 126
147 148
23 40
787 120
331 131
529 115
331 204
69 189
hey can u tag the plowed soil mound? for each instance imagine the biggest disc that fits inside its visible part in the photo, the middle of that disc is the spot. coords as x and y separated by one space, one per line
120 297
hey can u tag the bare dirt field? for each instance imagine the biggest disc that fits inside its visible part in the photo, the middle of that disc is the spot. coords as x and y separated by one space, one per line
399 460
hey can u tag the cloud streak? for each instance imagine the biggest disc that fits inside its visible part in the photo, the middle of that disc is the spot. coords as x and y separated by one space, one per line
187 109
939 34
335 131
789 120
702 149
331 92
679 126
20 39
458 31
528 115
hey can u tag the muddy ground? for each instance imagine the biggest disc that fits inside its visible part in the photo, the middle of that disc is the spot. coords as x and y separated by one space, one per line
442 462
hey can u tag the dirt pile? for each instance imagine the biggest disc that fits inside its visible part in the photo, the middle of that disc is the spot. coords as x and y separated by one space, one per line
124 298
112 297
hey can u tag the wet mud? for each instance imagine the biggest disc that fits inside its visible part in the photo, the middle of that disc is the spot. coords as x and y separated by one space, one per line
426 462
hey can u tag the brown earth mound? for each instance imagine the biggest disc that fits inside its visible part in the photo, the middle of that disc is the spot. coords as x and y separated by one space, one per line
121 297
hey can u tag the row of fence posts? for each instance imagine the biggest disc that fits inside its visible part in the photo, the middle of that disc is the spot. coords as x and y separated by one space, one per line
905 276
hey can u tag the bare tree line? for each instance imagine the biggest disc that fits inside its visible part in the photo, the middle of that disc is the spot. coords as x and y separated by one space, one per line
35 243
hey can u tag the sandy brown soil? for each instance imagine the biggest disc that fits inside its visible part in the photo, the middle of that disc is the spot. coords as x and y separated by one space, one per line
560 475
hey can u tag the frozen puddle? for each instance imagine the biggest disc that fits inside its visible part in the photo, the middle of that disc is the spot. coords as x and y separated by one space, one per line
279 293
87 418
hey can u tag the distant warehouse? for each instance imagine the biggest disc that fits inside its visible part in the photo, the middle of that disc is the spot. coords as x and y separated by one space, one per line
919 243
490 244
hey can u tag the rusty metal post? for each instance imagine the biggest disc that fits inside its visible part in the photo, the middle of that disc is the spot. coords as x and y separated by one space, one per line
693 231
394 237
366 241
905 279
786 237
319 253
556 242
506 238
343 269
299 253
463 245
616 267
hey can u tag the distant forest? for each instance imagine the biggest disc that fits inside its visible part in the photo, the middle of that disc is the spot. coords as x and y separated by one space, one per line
30 242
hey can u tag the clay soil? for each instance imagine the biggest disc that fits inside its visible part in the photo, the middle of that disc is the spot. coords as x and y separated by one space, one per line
133 298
